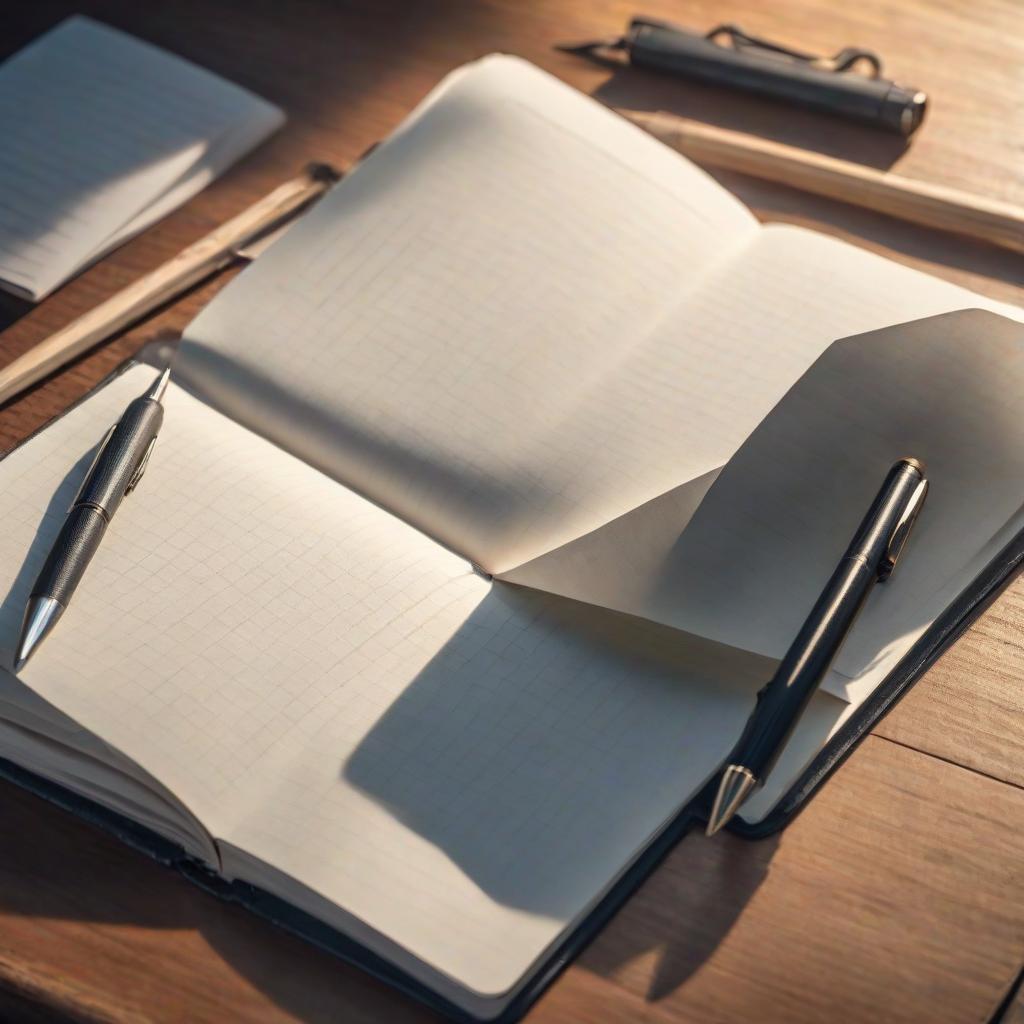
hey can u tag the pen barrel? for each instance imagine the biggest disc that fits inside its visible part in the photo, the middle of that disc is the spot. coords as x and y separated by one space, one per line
108 480
77 542
869 557
781 703
878 539
875 101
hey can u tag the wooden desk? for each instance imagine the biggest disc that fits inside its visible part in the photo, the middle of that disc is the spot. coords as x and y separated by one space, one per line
896 896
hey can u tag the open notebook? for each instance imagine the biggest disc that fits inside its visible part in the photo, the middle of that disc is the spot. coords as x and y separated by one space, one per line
102 135
436 603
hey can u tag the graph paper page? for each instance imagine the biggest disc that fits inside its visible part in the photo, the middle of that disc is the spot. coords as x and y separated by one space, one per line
462 766
456 329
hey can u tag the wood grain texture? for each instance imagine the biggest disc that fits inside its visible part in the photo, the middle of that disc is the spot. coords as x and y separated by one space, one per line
887 899
970 708
895 896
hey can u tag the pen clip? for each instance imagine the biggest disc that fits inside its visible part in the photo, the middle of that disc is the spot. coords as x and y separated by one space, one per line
901 531
140 468
844 60
92 465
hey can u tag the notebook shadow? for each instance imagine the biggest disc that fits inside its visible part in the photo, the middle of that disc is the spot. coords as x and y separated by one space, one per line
706 883
267 407
538 803
683 912
12 309
106 882
541 744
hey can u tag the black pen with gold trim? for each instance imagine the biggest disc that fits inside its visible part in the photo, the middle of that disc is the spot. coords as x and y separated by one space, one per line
869 559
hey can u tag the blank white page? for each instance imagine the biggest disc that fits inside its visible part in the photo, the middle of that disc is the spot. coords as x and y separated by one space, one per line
461 766
454 329
102 134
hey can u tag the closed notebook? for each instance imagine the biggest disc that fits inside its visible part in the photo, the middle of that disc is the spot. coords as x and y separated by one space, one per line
102 135
485 502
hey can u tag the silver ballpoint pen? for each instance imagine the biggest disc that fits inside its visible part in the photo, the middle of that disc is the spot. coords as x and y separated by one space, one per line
116 470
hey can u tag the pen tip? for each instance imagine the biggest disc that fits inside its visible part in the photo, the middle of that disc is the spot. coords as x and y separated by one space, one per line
41 616
156 392
734 787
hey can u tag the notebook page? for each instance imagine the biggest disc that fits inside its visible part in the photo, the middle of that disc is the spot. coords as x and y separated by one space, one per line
100 131
440 330
463 766
795 292
236 141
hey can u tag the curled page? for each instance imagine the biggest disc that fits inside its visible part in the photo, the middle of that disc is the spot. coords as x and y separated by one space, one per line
746 567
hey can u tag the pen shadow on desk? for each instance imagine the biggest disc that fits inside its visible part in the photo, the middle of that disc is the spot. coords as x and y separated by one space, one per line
637 89
674 923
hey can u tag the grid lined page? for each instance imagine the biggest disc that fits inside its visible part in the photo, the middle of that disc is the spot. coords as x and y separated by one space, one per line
461 766
442 329
103 133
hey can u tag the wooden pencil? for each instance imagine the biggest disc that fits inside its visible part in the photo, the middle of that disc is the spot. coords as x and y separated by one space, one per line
934 206
193 264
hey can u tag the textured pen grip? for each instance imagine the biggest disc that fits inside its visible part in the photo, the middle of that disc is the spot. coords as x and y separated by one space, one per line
76 543
105 486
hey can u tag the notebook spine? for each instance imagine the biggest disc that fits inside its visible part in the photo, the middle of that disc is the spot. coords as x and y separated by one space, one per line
137 836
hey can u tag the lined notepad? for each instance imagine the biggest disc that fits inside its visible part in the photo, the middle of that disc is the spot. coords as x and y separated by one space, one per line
102 135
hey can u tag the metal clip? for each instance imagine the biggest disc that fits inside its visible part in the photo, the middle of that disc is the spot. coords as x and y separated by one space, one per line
901 531
140 468
730 37
844 60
